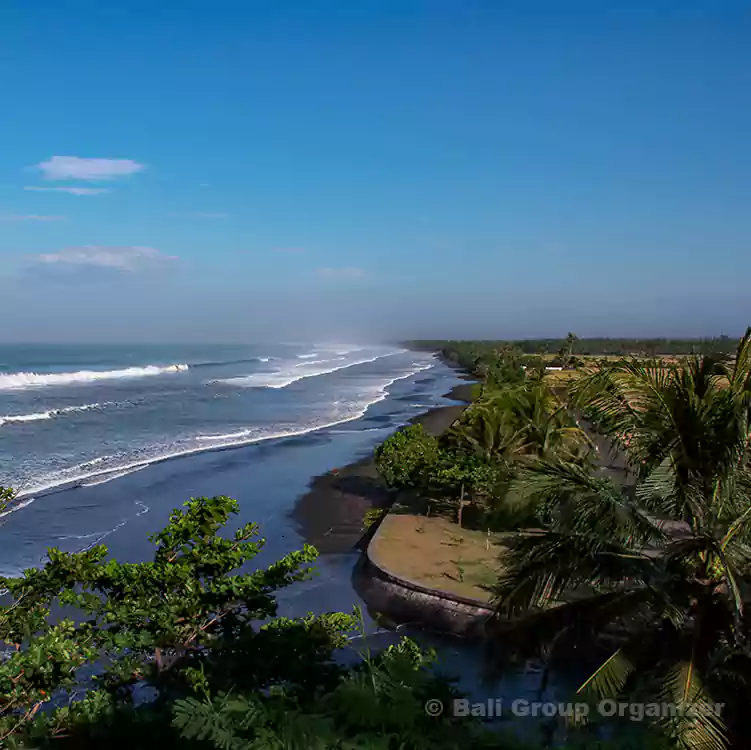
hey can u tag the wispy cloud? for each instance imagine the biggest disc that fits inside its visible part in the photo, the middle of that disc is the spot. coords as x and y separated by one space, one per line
71 190
29 217
201 214
341 273
203 184
127 259
91 170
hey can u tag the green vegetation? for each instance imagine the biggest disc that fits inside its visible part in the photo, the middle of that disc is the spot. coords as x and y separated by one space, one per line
664 569
407 457
185 651
720 346
7 498
646 584
517 418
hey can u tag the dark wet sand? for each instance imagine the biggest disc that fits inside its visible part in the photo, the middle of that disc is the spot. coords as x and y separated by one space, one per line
330 515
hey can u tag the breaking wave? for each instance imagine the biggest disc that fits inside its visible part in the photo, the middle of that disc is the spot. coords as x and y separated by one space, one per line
49 414
225 362
16 380
283 378
106 468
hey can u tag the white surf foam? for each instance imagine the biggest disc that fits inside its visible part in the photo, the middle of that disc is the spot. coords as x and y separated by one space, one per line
115 474
386 428
225 436
16 380
377 394
26 417
17 506
307 356
76 475
282 379
319 361
49 414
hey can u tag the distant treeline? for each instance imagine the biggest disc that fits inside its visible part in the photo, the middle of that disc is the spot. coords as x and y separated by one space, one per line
718 346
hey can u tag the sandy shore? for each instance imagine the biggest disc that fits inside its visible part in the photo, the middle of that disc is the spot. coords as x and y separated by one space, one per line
330 515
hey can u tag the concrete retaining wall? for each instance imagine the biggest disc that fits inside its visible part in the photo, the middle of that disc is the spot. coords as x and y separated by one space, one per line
406 602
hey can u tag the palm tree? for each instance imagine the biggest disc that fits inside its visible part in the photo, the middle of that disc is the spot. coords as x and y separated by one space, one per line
571 339
662 571
518 421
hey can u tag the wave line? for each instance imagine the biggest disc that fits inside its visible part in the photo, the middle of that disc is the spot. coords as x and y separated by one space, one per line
283 379
50 413
18 380
219 442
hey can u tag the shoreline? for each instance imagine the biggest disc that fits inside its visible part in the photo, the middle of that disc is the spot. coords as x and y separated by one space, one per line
30 495
267 478
330 514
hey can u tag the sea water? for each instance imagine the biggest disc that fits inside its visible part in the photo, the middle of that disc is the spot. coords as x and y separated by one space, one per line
93 438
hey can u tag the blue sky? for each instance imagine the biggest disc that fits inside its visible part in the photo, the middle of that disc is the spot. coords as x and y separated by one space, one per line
251 170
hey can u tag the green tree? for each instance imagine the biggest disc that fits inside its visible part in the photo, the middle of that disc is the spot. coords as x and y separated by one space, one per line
661 571
520 421
185 651
404 459
8 499
148 624
571 339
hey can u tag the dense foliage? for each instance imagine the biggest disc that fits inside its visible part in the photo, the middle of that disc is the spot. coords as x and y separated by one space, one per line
516 419
715 346
662 571
185 651
645 580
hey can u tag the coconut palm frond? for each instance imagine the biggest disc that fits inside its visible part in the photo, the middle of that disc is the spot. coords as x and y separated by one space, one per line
668 494
739 375
576 623
609 679
519 421
568 494
738 529
656 491
680 544
647 411
733 588
696 725
539 567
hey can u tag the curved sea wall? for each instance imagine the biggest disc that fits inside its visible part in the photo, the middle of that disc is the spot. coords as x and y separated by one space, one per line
402 601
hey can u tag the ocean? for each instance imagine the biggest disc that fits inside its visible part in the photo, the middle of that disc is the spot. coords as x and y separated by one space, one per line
102 441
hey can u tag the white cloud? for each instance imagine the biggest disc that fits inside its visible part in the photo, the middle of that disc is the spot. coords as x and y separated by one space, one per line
71 190
29 217
342 273
93 170
128 258
203 184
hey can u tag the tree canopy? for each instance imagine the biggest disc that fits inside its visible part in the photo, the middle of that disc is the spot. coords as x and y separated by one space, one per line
661 573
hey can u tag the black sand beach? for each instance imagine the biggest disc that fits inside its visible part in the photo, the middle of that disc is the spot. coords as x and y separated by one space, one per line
330 515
